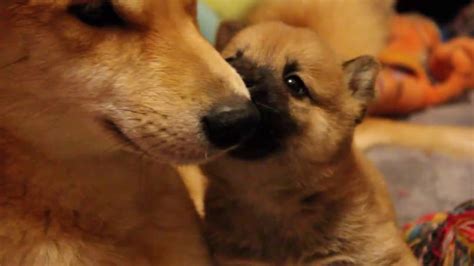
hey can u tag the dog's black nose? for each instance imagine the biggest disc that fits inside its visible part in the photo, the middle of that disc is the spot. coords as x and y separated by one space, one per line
229 124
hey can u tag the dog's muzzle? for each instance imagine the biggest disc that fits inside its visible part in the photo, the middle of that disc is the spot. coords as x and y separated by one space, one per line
228 125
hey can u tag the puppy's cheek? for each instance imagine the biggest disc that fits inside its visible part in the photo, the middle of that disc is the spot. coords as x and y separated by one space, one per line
319 126
317 134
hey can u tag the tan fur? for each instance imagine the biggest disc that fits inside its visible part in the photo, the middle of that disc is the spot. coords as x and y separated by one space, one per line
196 184
69 192
108 210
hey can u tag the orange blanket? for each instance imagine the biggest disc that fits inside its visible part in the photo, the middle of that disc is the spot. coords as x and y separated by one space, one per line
419 70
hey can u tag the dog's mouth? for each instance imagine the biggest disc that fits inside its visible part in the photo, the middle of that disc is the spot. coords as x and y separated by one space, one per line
119 135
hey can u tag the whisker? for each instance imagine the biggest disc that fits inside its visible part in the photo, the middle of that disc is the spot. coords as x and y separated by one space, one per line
21 59
268 107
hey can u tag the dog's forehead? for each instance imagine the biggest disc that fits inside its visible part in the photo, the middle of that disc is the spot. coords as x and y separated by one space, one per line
150 5
162 14
138 6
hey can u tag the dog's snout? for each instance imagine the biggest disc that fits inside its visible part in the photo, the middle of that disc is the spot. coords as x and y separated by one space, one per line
227 125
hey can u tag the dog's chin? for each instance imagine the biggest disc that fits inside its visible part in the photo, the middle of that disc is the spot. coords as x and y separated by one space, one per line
197 158
184 155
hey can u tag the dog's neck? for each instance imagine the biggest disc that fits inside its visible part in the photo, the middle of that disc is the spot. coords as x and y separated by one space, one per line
82 186
60 131
287 202
118 206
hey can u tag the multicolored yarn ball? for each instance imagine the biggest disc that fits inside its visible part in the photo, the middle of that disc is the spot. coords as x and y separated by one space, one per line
444 239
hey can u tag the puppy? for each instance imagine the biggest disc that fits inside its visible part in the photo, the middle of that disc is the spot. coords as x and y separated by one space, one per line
297 192
97 98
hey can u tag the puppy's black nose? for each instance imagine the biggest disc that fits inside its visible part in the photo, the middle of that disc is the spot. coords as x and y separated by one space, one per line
229 124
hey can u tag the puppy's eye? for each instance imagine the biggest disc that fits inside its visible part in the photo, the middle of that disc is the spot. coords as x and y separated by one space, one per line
97 14
249 83
230 59
297 86
238 55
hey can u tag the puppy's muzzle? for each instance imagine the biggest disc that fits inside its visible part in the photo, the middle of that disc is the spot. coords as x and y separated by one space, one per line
228 125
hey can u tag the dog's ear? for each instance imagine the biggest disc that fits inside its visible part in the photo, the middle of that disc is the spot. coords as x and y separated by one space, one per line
360 75
227 31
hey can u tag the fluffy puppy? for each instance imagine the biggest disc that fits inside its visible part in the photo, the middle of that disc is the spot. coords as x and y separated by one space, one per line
297 192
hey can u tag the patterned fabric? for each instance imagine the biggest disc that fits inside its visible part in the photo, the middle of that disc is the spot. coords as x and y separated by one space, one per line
444 239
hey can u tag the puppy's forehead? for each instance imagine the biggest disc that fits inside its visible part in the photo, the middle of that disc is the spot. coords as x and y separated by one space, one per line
276 43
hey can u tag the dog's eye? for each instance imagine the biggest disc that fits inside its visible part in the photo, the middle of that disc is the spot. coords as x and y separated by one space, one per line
297 86
97 14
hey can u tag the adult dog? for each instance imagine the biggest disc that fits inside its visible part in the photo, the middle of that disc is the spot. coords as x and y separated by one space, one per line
93 93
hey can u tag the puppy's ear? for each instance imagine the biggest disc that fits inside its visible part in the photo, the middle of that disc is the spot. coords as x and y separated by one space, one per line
227 31
360 76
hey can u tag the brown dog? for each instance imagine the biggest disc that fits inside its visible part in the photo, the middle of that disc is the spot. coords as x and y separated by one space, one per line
80 80
297 193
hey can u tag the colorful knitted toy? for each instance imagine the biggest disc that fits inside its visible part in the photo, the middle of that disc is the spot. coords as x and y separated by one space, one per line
419 70
444 239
